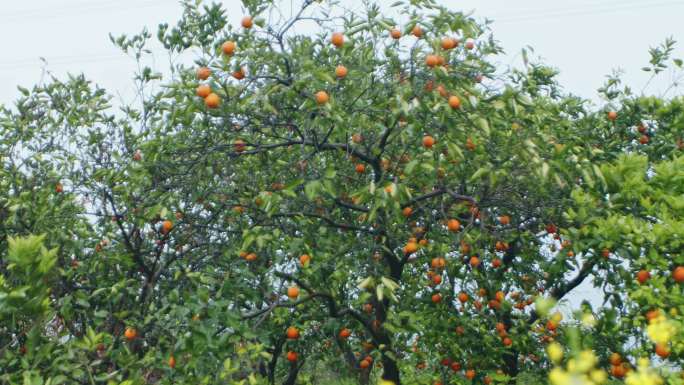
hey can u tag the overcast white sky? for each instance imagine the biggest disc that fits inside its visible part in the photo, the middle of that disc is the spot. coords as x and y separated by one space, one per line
585 39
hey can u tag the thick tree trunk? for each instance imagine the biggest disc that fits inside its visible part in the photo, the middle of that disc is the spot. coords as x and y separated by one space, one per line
390 370
277 350
292 376
364 376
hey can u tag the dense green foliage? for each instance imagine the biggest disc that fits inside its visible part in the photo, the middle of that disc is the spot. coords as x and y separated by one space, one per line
437 203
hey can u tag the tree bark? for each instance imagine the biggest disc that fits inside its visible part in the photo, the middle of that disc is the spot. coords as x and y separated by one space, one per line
292 375
390 370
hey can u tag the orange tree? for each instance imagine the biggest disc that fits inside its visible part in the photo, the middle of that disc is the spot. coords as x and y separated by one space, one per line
372 198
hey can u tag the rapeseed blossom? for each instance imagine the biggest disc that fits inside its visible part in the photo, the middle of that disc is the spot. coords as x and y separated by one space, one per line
643 375
580 369
661 330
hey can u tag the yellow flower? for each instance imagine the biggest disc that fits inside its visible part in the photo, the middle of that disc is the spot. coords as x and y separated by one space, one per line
556 317
643 375
555 352
585 361
598 376
558 376
661 330
588 320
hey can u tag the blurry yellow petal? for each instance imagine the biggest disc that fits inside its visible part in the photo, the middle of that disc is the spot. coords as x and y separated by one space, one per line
555 352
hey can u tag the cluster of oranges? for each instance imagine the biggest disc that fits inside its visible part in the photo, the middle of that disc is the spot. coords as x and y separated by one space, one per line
211 99
249 257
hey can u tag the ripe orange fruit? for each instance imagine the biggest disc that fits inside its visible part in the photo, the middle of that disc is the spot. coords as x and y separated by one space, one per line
615 359
449 43
239 74
436 298
304 260
500 327
407 211
618 371
494 304
469 144
612 115
436 279
247 22
438 263
337 39
292 333
345 333
678 274
364 364
203 91
454 102
644 139
504 220
431 60
551 228
550 325
203 73
501 246
487 380
474 261
496 263
460 331
662 351
429 86
166 226
293 292
239 145
605 253
455 366
410 248
130 333
59 188
652 314
251 257
322 97
470 374
500 296
395 33
360 168
172 362
442 91
212 100
470 44
292 356
453 225
463 297
417 31
507 341
643 276
428 141
341 71
228 47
